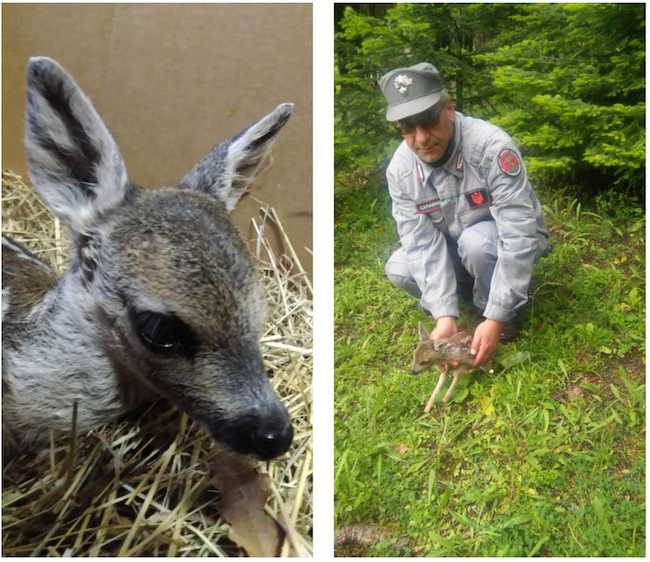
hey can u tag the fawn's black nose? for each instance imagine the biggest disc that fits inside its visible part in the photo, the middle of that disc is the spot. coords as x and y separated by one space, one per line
264 437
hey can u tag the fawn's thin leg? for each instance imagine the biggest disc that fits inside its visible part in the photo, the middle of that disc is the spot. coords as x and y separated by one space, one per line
441 381
459 371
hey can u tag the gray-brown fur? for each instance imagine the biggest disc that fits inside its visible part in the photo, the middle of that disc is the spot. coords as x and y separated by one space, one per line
360 535
356 535
441 352
161 296
25 280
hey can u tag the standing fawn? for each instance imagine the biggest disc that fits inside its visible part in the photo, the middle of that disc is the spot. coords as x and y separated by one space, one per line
440 352
161 296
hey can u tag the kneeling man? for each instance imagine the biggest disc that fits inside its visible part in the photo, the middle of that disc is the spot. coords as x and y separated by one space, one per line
468 219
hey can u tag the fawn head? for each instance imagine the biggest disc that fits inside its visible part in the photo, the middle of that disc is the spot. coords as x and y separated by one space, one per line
427 353
163 272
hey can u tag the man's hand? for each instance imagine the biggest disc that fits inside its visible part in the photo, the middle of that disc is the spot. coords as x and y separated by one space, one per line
445 328
486 340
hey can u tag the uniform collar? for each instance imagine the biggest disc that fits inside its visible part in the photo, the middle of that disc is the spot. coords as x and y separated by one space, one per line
455 163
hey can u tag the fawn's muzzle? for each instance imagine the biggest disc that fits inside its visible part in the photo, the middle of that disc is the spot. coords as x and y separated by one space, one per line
264 437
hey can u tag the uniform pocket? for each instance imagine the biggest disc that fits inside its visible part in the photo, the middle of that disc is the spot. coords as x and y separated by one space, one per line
474 206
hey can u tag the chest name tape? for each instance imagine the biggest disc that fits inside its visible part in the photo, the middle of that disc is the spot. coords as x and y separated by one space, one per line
429 206
477 198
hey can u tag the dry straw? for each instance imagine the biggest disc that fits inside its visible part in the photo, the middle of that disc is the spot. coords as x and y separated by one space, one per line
142 486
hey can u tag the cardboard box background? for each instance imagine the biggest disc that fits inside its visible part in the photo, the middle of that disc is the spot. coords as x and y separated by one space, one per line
173 80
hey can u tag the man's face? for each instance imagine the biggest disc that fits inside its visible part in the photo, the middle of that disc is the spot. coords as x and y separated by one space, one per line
428 133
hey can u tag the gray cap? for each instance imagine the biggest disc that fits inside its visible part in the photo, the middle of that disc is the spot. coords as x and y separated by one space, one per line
411 90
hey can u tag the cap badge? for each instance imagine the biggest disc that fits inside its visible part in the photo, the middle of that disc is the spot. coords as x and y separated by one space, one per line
402 83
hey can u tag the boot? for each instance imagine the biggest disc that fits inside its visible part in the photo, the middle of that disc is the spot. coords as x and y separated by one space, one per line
510 330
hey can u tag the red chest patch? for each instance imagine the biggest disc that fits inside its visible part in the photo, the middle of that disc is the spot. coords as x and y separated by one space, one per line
478 198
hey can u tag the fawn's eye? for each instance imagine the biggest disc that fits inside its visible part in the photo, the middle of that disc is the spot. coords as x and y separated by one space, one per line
164 333
427 362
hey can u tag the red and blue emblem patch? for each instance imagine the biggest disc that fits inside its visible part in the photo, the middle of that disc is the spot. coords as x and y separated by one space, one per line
509 162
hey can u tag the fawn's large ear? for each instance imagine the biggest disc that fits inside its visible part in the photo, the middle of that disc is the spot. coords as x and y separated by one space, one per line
424 334
73 159
230 167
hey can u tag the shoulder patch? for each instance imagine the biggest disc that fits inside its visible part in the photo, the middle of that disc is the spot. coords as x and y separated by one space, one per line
509 162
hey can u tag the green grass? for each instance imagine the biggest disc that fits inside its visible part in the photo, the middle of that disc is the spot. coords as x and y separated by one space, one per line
544 457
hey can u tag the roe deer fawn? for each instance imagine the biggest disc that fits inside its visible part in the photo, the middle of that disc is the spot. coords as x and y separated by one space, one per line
161 296
440 352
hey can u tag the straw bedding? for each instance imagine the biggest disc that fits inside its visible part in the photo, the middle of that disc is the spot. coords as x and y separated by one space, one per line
144 486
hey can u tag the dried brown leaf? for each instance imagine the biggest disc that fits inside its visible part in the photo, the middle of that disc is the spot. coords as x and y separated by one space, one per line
243 495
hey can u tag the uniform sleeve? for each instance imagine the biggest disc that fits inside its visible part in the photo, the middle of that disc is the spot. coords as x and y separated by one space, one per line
514 215
425 249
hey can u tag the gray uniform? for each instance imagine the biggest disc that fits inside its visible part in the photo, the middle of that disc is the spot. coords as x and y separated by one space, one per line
478 210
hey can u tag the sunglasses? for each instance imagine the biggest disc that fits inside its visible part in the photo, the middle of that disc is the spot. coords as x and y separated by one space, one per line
427 120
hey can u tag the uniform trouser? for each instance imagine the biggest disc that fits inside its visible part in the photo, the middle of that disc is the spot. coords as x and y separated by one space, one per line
474 256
